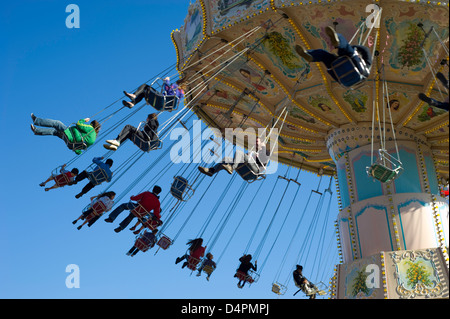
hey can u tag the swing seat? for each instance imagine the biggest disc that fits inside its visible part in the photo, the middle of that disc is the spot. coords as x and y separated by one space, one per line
242 276
98 208
146 145
159 100
61 180
164 242
347 73
278 288
248 174
383 173
192 263
96 175
141 245
181 189
74 146
151 223
139 212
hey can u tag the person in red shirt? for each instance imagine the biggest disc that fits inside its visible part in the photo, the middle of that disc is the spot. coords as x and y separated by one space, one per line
196 252
64 178
146 202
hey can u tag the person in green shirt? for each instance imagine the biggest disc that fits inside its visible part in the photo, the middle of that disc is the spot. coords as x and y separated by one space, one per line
77 137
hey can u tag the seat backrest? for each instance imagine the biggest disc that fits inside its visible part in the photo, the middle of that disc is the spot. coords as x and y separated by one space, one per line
178 187
164 242
146 144
62 179
346 72
98 208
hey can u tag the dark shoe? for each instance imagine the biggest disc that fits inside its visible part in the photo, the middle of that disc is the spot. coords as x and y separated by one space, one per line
127 104
74 222
78 195
33 117
130 96
424 98
33 129
184 265
109 220
118 229
79 227
333 36
301 51
178 260
205 171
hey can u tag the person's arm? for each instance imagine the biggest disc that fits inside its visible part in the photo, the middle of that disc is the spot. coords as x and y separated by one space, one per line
97 160
137 198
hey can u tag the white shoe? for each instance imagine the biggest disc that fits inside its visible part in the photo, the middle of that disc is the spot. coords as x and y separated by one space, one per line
110 147
228 168
113 142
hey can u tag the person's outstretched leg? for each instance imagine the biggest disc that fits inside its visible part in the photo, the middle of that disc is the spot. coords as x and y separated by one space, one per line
52 127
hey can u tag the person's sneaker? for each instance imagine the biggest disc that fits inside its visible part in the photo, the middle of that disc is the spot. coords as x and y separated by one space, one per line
33 117
74 222
424 98
108 220
110 147
228 168
78 195
205 171
301 51
333 36
113 142
178 260
33 129
198 274
79 227
118 229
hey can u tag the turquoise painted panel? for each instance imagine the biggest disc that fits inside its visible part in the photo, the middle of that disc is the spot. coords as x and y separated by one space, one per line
366 187
432 176
409 180
343 184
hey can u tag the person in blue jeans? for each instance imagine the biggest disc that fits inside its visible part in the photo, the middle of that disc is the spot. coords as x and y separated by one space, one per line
77 137
344 49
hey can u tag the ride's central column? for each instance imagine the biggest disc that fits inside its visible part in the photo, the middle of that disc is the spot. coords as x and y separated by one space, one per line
404 214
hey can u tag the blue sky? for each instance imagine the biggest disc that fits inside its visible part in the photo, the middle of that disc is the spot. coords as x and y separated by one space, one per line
68 74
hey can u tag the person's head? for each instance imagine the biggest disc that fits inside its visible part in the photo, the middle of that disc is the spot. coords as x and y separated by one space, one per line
96 125
109 162
259 144
299 268
209 256
195 243
247 258
109 194
74 171
167 78
156 190
152 116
